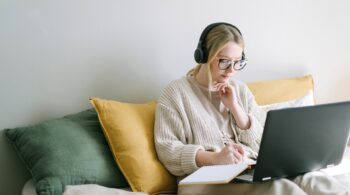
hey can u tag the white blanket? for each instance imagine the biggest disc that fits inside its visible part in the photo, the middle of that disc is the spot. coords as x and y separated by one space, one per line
92 189
87 189
310 183
330 181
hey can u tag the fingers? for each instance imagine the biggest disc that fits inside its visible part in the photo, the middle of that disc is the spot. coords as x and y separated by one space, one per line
221 87
236 152
239 148
237 156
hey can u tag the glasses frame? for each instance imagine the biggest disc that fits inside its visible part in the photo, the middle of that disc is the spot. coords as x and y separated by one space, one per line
232 63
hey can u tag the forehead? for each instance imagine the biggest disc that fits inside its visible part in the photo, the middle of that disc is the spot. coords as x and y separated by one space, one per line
231 50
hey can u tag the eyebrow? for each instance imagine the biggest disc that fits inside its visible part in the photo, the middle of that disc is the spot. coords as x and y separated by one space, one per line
240 57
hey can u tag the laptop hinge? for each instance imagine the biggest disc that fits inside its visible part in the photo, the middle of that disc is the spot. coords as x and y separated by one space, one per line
266 178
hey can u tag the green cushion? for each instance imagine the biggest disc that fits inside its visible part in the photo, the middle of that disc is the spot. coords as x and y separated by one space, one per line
66 151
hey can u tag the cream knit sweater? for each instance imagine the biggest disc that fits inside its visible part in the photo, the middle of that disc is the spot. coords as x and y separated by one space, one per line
183 125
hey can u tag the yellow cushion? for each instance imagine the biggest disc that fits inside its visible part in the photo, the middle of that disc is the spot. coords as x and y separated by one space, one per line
274 91
128 129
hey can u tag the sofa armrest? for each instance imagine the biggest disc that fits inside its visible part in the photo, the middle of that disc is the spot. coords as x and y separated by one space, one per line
13 173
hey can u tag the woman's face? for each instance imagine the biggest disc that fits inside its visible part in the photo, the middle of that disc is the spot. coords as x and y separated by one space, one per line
232 51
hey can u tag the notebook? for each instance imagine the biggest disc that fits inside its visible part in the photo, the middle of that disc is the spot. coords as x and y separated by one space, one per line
294 141
217 174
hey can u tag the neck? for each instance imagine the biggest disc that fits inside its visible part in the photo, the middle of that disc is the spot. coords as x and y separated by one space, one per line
202 75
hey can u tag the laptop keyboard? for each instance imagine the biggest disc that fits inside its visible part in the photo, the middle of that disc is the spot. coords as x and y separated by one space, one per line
249 172
247 175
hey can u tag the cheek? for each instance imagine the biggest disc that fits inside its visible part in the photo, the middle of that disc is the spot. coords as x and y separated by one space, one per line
214 72
214 69
216 76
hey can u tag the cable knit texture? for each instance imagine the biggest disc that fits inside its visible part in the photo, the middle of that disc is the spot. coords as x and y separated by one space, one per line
184 124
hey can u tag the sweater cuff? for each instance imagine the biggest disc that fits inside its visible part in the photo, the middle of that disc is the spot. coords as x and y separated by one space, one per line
188 158
252 134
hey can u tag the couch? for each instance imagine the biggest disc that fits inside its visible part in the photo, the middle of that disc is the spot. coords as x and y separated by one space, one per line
269 94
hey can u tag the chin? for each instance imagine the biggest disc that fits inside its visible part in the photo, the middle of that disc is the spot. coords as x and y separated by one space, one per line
225 80
222 79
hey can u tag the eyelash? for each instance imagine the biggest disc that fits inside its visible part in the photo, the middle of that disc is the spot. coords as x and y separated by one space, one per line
227 60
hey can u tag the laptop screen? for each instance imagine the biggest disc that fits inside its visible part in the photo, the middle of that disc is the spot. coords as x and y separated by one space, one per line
303 139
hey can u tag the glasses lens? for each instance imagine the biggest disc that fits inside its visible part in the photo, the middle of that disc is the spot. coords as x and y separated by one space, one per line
239 65
224 64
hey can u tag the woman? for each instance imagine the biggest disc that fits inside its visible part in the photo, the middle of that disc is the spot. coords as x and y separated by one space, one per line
208 118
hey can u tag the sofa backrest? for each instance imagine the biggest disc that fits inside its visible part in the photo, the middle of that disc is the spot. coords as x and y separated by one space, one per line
13 174
275 91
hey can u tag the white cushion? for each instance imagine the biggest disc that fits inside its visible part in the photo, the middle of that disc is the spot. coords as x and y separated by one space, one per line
29 188
306 100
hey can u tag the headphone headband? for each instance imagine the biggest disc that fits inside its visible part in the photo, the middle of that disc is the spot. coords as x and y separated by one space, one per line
201 52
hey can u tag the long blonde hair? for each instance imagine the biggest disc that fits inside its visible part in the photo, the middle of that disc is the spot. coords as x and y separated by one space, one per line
216 40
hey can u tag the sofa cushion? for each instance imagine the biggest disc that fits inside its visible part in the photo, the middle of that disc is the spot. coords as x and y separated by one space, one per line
274 91
306 100
66 151
129 131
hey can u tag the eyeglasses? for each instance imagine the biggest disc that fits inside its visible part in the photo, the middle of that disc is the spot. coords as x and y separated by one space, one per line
225 64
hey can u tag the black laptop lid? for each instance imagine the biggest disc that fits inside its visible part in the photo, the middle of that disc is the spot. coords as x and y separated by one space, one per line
299 140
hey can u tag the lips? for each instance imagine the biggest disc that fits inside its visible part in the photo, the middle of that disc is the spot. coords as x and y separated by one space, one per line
225 76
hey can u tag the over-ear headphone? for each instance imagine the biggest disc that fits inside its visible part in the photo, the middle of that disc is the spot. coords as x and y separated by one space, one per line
201 52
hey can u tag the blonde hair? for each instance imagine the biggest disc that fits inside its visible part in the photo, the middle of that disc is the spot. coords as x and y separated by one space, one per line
216 40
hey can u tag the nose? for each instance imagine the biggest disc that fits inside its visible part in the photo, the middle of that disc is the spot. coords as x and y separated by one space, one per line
230 69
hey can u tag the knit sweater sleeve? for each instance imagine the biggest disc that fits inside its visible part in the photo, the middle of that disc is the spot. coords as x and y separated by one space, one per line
251 136
170 142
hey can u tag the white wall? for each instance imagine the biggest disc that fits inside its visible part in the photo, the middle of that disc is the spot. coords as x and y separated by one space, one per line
54 55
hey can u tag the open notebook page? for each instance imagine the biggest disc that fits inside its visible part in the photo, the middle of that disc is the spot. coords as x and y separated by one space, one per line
216 174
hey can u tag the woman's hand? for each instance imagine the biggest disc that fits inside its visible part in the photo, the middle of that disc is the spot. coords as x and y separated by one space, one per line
230 154
229 99
227 94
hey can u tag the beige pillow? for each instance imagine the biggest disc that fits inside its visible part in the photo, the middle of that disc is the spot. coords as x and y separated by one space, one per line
275 91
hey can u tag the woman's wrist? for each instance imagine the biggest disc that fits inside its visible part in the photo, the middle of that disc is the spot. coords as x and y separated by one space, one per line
234 107
205 158
242 119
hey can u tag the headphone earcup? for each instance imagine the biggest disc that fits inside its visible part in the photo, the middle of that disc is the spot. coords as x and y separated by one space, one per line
200 55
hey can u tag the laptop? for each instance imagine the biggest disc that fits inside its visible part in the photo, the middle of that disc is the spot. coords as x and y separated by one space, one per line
299 140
